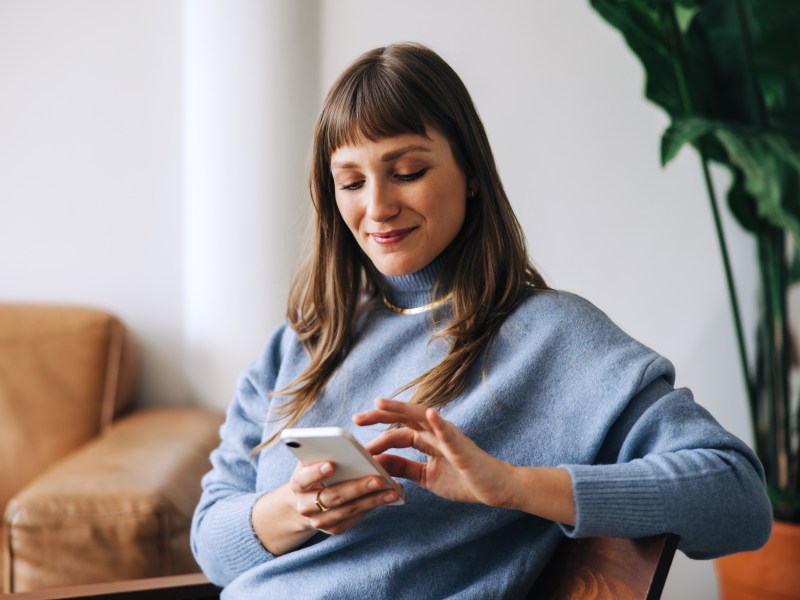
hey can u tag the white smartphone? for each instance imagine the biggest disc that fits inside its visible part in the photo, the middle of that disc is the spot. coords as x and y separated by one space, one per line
337 445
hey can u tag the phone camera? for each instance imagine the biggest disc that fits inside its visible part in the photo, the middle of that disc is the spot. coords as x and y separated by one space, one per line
293 444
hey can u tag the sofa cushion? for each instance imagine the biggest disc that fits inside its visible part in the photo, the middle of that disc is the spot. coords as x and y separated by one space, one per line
119 508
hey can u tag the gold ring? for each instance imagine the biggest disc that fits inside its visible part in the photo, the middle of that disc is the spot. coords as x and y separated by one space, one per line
320 505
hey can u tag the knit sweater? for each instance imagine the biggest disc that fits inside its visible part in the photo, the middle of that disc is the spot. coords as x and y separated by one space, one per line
563 386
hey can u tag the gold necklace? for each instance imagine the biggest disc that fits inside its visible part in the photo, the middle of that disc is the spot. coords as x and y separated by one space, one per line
418 309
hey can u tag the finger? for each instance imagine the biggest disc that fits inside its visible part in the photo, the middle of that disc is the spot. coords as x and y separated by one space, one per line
397 466
454 445
415 412
393 438
340 519
394 412
375 417
402 438
412 411
339 494
309 477
345 525
443 429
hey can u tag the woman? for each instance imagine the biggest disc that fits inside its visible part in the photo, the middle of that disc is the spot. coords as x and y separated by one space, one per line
525 413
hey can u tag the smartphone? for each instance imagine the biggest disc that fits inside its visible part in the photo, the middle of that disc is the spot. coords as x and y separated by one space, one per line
337 445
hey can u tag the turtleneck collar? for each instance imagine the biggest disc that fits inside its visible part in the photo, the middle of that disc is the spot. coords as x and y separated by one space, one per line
414 289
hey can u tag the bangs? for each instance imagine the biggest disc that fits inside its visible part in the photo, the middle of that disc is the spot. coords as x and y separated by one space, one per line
372 104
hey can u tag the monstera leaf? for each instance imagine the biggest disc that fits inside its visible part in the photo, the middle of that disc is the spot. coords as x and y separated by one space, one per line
767 163
730 68
727 72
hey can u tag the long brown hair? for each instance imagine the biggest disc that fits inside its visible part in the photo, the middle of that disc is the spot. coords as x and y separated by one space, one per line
404 88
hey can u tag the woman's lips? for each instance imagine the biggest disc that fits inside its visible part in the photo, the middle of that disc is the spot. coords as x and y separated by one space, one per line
389 238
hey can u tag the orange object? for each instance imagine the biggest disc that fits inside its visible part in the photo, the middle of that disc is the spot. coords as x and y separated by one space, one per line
771 573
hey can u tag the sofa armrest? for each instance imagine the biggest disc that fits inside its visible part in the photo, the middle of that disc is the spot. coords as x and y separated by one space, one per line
65 373
118 508
194 586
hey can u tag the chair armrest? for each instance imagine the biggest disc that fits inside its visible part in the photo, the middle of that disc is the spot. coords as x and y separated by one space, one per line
606 568
118 508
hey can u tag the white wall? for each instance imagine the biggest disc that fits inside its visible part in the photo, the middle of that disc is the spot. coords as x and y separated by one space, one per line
251 94
152 162
90 166
143 145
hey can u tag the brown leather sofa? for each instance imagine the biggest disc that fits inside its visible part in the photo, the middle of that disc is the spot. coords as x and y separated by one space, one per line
91 489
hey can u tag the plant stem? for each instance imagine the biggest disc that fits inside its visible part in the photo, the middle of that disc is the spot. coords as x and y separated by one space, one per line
775 355
667 15
776 287
729 281
760 115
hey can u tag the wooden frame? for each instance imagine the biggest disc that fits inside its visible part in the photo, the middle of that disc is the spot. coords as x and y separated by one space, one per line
588 568
604 568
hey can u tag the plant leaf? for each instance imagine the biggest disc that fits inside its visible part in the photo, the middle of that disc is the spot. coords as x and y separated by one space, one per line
769 176
685 12
743 205
716 60
765 166
681 132
641 27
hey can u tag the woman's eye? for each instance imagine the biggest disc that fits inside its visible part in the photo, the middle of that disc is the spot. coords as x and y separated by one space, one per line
349 187
411 176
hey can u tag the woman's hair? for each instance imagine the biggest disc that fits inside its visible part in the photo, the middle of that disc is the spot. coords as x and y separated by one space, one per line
399 89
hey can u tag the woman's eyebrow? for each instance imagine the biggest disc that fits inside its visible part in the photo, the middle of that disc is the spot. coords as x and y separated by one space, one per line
386 157
404 150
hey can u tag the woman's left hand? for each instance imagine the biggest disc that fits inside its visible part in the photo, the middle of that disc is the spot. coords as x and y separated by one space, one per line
457 469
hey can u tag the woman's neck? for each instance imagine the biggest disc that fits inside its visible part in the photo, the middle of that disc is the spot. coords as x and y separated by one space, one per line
413 290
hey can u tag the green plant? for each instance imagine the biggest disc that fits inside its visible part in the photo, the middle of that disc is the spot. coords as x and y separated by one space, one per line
728 74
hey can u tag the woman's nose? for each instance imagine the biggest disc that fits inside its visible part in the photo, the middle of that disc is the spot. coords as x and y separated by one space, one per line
381 205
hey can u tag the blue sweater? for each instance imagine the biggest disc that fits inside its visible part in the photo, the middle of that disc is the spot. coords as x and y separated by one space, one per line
564 386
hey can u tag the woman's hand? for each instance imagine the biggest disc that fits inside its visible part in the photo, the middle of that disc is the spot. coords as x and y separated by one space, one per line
288 516
335 509
457 469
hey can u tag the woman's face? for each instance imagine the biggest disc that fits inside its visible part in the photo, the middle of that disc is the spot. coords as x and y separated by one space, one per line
402 197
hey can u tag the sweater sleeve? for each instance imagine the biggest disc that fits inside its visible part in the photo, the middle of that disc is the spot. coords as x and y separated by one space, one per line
667 466
223 539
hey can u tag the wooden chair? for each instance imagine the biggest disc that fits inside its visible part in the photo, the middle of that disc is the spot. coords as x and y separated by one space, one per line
582 569
603 568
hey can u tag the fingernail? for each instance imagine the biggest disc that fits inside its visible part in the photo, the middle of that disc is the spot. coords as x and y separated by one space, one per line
326 468
390 497
373 484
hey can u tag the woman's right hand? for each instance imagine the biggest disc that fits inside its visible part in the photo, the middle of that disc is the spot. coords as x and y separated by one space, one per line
288 516
341 505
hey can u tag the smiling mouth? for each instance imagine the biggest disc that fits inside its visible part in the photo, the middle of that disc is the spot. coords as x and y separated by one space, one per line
389 238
